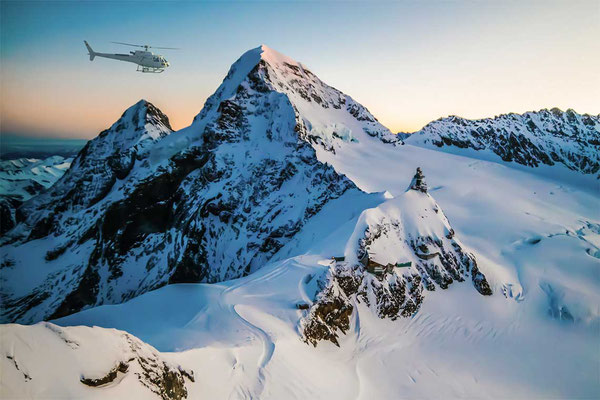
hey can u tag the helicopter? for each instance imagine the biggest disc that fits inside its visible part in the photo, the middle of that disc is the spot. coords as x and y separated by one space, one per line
146 61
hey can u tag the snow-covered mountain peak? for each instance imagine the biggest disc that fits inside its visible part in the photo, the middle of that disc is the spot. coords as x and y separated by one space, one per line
140 123
324 116
213 202
140 126
274 57
109 157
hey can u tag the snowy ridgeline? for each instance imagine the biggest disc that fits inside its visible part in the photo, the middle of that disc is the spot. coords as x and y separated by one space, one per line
546 137
81 362
254 199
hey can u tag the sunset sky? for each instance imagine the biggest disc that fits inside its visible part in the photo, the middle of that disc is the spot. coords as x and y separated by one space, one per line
408 62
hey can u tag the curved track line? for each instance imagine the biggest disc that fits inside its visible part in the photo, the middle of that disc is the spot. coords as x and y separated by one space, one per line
302 288
268 344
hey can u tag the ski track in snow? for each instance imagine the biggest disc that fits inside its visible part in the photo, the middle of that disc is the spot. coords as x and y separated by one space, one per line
302 288
229 300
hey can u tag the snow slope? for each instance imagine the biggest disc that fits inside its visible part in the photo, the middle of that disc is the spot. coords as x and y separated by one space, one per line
460 344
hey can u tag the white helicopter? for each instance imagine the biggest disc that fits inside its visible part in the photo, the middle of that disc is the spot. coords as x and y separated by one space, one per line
145 60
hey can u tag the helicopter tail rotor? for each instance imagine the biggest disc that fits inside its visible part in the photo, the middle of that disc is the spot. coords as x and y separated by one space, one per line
92 53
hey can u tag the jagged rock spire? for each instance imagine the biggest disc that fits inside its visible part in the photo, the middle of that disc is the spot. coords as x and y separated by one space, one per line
418 181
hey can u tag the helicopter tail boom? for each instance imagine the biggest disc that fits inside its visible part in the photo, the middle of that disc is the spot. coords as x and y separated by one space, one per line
91 52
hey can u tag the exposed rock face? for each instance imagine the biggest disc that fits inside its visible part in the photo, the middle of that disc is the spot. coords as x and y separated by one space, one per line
412 241
8 219
100 358
161 378
212 202
64 217
546 137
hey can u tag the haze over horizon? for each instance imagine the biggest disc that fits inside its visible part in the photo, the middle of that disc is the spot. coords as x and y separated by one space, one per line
409 63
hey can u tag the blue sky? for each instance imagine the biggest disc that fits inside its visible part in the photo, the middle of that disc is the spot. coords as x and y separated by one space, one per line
408 62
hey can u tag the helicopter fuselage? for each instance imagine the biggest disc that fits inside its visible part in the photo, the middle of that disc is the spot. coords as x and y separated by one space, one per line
140 57
148 61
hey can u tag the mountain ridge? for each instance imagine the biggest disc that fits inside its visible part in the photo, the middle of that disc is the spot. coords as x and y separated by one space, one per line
535 138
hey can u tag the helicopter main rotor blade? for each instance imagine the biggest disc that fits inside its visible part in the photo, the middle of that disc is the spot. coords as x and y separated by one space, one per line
145 46
129 44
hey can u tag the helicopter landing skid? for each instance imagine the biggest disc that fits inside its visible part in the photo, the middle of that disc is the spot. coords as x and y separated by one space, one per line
151 70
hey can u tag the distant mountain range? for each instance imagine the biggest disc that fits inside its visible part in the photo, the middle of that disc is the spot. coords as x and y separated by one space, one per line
24 178
545 137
